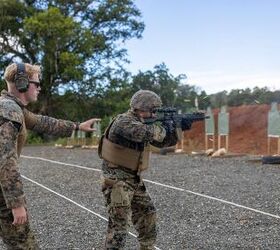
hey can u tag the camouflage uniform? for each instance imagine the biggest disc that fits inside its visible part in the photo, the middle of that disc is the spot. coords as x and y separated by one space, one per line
14 120
127 200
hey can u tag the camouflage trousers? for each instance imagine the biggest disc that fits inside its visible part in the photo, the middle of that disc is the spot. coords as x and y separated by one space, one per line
129 203
18 237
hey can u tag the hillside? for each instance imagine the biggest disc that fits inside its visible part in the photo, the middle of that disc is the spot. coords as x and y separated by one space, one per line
247 131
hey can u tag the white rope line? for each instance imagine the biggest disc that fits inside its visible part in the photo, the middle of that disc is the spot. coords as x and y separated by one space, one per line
74 202
216 199
167 186
60 163
64 197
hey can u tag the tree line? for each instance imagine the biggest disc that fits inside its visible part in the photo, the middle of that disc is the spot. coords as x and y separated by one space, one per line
81 47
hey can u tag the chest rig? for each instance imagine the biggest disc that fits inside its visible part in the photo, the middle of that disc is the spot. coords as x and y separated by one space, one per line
122 156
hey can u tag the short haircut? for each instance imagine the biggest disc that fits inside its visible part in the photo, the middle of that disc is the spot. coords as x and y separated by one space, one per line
11 71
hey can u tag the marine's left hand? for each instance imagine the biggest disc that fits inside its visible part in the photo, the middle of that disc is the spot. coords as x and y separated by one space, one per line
169 126
87 126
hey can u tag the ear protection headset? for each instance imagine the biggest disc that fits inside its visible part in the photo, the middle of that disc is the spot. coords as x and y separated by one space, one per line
21 78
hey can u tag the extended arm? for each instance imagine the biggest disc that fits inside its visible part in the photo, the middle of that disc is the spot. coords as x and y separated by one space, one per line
134 130
53 126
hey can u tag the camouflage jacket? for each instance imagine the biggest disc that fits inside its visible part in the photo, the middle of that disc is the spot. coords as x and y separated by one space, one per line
15 119
129 130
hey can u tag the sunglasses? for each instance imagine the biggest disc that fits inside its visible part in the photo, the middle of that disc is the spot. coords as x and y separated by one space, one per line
37 84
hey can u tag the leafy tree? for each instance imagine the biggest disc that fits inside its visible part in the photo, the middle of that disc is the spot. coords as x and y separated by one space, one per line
219 99
237 97
275 96
2 84
264 95
185 97
172 90
203 100
114 99
160 81
78 43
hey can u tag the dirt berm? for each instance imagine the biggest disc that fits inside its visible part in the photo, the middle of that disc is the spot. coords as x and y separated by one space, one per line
247 131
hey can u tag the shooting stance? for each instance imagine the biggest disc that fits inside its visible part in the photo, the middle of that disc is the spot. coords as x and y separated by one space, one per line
23 87
124 149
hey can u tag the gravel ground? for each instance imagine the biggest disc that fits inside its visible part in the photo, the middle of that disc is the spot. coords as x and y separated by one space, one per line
193 206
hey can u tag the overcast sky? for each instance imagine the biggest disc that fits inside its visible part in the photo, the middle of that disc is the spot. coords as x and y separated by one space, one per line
218 44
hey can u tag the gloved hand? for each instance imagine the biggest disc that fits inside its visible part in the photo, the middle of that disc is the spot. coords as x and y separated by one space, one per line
186 124
169 126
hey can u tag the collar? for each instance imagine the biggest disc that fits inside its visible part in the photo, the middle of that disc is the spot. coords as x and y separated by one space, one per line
9 95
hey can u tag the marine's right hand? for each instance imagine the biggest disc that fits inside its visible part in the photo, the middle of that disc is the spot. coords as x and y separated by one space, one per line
20 215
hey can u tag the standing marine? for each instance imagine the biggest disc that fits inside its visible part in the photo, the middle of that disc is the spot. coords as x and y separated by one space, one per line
23 87
124 149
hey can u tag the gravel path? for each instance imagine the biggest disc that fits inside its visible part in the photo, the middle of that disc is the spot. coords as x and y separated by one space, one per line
199 201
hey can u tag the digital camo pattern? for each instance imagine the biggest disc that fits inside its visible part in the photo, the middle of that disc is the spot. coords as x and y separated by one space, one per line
128 203
131 129
18 237
145 100
14 119
10 179
127 200
48 125
128 130
10 110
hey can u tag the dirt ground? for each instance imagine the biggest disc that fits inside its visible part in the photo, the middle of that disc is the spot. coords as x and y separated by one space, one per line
247 131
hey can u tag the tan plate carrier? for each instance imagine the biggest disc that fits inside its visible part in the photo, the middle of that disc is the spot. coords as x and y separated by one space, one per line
123 156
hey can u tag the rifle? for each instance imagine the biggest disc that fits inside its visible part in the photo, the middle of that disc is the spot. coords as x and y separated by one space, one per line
181 121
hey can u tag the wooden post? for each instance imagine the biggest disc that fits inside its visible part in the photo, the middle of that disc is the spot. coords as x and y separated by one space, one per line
182 142
220 138
207 138
214 144
269 141
227 143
